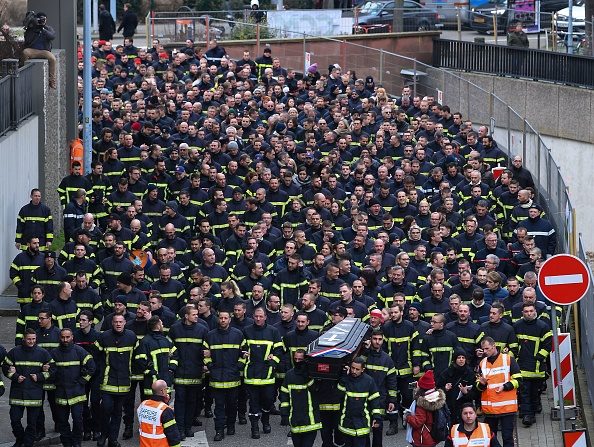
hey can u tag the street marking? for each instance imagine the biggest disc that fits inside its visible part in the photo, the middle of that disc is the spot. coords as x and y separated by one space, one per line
563 279
199 440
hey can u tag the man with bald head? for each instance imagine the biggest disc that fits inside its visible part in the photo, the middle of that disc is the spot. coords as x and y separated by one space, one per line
156 419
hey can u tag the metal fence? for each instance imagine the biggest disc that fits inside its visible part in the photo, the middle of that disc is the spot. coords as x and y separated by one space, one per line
512 61
584 328
16 93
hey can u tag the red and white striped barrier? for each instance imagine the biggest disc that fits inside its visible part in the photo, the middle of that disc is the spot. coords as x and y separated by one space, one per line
567 378
575 438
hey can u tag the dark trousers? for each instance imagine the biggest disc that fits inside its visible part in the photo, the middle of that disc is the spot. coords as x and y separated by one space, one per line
329 432
356 441
377 435
507 429
242 398
205 401
530 396
185 405
51 399
129 400
111 407
22 435
70 436
225 407
92 408
261 399
406 394
305 439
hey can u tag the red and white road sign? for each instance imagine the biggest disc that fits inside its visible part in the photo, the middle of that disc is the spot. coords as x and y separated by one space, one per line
567 378
575 438
564 279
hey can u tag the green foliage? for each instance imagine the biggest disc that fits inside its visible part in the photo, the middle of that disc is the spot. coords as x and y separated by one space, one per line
247 31
58 242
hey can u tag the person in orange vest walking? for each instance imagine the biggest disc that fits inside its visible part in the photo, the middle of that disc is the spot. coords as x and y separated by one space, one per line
470 432
498 383
156 419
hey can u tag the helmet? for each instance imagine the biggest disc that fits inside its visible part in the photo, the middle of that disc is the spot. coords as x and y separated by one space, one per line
255 3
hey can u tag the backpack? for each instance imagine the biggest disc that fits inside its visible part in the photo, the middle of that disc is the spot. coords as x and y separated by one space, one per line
440 429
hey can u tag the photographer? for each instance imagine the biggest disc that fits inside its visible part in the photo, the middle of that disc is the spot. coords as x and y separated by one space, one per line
38 42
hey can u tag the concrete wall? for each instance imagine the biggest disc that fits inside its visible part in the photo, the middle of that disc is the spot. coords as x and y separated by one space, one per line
19 155
553 110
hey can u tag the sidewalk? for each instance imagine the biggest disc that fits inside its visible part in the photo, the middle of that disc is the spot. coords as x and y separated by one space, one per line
546 432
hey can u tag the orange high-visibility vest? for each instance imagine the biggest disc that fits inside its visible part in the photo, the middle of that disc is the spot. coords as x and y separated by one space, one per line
498 374
150 426
77 152
481 437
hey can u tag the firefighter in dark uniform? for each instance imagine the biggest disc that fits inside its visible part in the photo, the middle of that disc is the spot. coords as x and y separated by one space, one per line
300 338
28 367
117 346
264 347
48 338
64 309
534 339
299 407
74 369
438 346
155 356
50 275
22 268
85 336
29 315
224 354
360 405
139 326
188 337
381 368
401 339
496 328
34 220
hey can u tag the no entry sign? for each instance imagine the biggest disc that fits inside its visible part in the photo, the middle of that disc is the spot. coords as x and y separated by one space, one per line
564 279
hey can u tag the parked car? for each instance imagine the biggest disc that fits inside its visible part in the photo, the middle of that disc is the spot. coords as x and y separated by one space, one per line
377 17
482 17
579 20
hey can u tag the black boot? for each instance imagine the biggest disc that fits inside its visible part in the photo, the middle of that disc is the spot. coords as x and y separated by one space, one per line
189 433
87 436
231 429
128 433
393 429
101 440
254 420
266 422
241 419
219 436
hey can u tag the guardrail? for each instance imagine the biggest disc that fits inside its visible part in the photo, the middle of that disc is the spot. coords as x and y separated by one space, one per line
584 328
513 61
16 93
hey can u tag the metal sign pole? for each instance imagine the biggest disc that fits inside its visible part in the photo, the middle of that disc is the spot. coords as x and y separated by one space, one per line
558 376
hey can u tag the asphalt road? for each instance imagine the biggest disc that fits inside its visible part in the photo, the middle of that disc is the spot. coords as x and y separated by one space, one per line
205 434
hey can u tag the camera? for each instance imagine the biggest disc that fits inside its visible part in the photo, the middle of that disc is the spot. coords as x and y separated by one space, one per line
412 385
34 20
